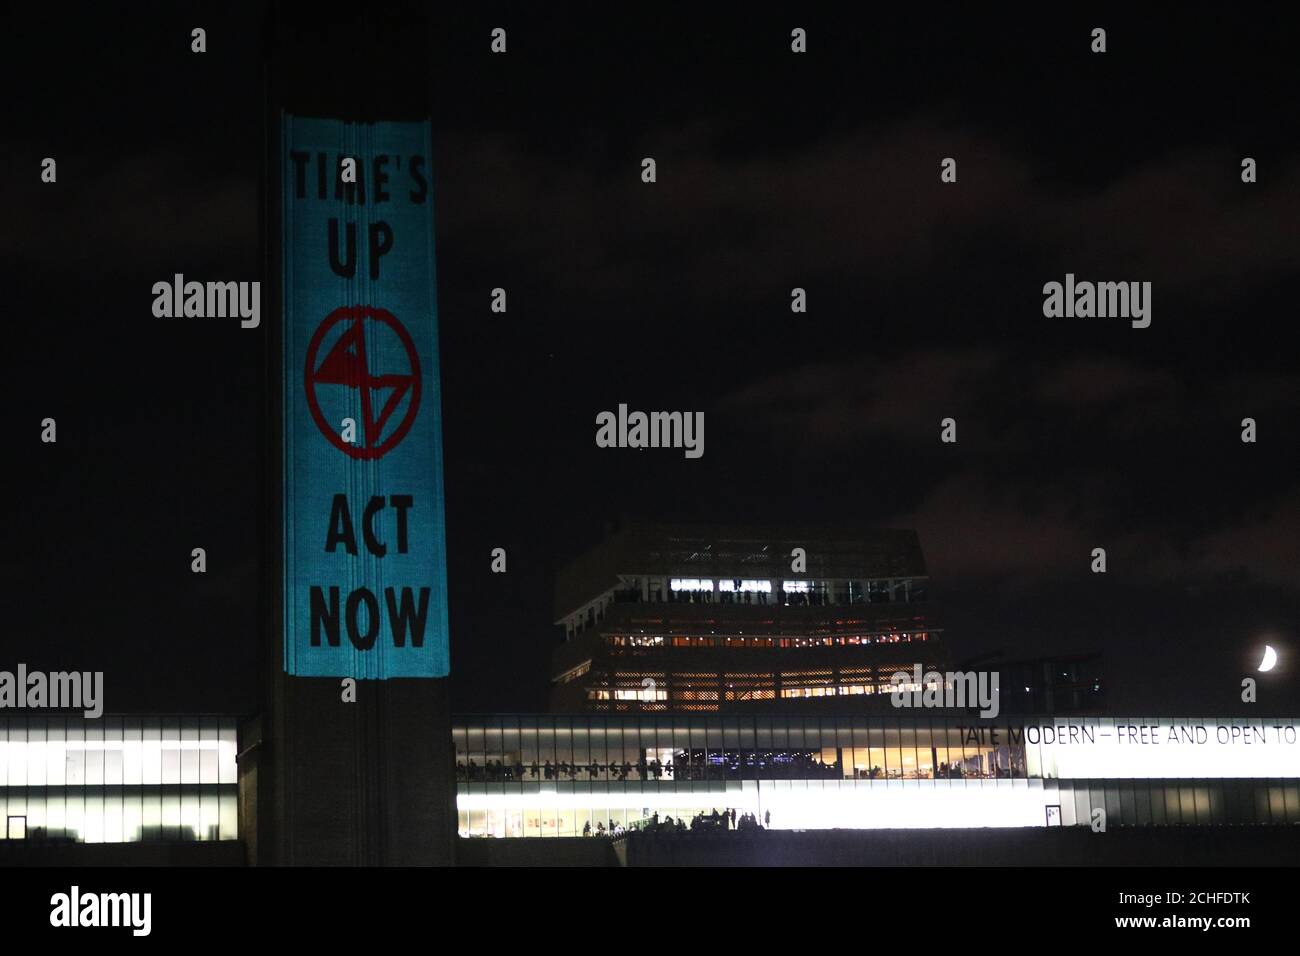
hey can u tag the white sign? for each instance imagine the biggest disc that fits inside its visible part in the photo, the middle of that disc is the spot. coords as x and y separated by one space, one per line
1130 748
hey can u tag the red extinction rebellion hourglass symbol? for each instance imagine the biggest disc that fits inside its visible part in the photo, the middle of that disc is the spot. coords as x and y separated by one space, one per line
382 390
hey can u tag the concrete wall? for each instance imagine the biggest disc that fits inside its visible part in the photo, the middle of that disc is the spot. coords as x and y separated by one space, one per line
1056 846
560 851
35 853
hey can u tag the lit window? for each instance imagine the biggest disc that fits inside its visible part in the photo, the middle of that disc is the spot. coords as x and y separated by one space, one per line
691 584
734 585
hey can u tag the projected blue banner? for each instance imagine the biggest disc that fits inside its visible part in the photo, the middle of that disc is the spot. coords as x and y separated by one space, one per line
365 580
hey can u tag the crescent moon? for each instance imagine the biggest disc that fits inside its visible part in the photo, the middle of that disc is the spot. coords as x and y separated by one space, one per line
1270 659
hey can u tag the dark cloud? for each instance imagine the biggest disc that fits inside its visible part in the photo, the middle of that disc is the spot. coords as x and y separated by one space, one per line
1093 380
133 207
865 204
984 508
832 406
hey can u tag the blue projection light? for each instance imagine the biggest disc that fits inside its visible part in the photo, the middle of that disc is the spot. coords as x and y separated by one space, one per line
365 564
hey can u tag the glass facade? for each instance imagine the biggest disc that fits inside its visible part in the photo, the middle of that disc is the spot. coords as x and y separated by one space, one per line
128 779
119 779
552 775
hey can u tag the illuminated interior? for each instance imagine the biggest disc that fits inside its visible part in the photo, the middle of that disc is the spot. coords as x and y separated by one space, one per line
119 779
541 775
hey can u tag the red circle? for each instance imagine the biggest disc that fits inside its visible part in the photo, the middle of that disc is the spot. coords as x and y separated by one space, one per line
361 313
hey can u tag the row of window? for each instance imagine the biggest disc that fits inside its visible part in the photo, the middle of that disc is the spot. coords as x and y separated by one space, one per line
121 814
743 692
678 686
1188 802
61 751
841 640
573 749
841 690
916 745
798 805
667 766
790 593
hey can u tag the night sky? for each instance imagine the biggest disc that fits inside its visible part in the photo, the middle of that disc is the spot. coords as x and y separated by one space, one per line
775 170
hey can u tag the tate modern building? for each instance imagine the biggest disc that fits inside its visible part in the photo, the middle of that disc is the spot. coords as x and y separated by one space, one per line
537 776
178 778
